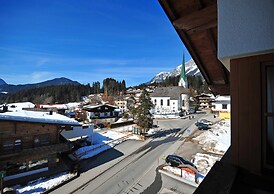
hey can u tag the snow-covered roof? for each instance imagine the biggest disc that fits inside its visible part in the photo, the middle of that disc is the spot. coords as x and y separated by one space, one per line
37 117
99 105
57 106
222 98
20 105
172 91
78 132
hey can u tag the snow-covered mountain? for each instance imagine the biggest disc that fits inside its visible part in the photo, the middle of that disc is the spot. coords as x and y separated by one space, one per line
191 69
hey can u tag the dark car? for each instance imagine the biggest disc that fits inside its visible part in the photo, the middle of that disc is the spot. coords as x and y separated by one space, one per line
191 111
202 126
178 161
182 113
100 126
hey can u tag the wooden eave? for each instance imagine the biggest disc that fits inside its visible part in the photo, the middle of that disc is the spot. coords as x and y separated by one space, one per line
196 24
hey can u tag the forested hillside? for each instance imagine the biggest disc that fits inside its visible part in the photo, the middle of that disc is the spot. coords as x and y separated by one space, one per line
49 94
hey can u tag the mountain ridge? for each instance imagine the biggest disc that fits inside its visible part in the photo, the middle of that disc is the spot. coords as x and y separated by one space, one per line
10 88
191 69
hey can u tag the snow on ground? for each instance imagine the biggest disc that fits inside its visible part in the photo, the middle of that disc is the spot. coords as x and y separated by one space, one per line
214 141
179 172
127 128
102 141
217 139
204 162
121 120
171 116
151 131
42 184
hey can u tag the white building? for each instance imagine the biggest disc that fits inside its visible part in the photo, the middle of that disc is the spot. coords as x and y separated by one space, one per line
79 132
121 104
170 100
221 104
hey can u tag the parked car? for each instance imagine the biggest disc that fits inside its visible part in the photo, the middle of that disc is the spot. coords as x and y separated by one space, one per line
99 125
81 143
204 121
202 126
178 161
191 111
182 113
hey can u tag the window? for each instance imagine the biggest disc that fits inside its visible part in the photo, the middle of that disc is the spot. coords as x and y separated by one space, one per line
41 140
183 103
12 145
224 106
268 137
162 102
168 102
155 101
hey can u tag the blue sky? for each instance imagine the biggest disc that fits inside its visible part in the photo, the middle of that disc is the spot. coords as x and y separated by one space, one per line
86 40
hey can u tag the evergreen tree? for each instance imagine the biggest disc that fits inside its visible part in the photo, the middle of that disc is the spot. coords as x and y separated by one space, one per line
143 115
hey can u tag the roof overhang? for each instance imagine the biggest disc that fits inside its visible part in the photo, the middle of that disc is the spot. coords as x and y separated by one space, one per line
196 24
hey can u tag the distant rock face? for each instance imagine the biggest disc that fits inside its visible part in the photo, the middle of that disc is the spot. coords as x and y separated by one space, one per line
191 69
2 82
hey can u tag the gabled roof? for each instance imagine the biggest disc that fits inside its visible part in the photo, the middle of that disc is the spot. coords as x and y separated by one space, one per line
89 107
37 117
173 92
196 24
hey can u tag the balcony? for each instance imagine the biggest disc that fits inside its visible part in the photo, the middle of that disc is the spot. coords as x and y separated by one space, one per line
34 153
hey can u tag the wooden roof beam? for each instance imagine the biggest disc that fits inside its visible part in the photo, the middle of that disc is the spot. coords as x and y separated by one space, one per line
199 20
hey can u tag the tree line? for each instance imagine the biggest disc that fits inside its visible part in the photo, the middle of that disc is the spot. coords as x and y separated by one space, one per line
196 84
112 87
65 93
49 94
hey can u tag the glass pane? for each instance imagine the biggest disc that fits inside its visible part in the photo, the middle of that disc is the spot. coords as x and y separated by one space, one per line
270 141
270 89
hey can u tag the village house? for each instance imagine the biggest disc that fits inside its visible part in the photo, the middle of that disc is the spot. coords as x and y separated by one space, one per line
78 133
221 106
203 100
29 140
121 103
170 100
17 106
102 113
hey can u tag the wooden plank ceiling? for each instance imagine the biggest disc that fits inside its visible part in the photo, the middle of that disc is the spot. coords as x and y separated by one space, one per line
196 23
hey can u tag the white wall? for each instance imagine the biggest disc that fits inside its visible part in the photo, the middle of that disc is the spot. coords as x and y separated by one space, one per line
77 132
185 98
164 109
245 27
219 106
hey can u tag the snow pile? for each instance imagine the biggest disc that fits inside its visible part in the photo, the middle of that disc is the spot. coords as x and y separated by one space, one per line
135 137
179 172
204 162
151 131
102 142
170 116
41 185
217 139
121 120
127 128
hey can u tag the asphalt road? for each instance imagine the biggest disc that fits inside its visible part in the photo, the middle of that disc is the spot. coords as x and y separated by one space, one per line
132 166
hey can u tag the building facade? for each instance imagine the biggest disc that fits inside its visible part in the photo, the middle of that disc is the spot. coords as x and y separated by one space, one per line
29 140
170 100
